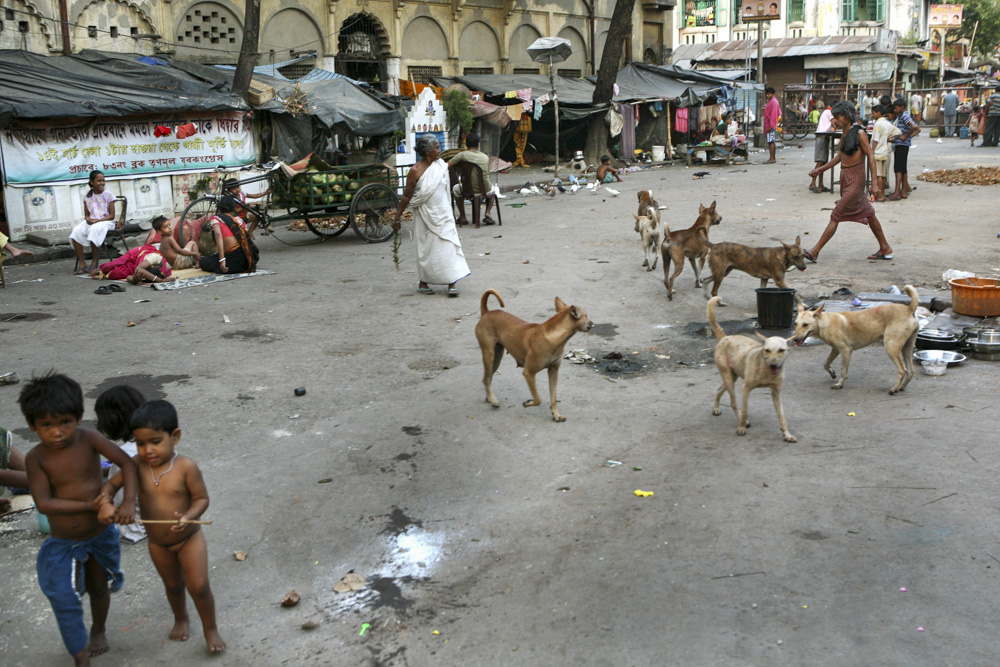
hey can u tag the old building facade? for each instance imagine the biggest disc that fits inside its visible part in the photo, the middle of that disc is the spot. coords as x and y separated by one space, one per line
383 40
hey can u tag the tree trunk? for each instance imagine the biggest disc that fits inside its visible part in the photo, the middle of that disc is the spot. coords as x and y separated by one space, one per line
621 25
248 50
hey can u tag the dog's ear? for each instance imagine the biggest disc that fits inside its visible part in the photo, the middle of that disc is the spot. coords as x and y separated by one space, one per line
636 217
574 312
639 194
560 304
798 240
819 309
763 339
712 207
701 209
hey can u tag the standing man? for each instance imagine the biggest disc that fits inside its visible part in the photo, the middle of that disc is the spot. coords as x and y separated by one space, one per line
821 151
908 128
866 107
772 114
950 103
992 131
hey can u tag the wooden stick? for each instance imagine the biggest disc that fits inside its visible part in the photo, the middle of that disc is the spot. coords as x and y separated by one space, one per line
200 523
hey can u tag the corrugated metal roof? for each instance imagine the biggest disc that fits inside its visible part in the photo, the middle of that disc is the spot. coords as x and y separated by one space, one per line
789 47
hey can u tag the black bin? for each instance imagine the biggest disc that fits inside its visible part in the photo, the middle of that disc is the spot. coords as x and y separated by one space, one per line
775 307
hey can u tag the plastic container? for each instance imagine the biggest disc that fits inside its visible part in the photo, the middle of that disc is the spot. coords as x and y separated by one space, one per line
979 297
775 307
43 522
963 132
659 152
934 367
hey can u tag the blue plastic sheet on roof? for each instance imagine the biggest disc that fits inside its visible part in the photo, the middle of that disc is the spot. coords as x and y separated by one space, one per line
150 60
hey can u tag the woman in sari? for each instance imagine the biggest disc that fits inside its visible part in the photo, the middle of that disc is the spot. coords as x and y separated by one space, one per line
237 252
440 260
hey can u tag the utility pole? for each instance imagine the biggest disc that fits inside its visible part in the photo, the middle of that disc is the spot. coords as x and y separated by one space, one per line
760 73
248 50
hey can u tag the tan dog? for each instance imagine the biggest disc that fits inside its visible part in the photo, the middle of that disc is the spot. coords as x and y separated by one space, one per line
533 346
649 232
691 243
764 263
893 323
758 363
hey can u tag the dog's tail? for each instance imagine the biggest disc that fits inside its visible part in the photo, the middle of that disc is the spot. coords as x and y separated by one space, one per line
486 295
710 311
666 231
914 298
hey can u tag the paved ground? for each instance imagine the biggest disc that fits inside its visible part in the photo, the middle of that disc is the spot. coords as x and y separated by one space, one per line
509 534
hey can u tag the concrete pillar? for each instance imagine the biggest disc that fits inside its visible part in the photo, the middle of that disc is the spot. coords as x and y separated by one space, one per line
392 71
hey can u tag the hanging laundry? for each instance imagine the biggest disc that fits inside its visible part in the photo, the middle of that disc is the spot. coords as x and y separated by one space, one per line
538 110
658 106
510 93
514 111
617 89
681 120
615 122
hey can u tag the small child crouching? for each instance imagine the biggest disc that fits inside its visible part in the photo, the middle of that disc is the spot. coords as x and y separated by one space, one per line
64 475
171 488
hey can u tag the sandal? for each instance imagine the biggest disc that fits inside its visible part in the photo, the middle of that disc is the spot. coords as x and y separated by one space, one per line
81 272
879 255
103 289
894 197
808 255
488 221
425 290
115 287
452 291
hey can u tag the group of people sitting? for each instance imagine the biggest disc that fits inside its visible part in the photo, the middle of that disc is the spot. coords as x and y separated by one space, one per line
160 252
727 132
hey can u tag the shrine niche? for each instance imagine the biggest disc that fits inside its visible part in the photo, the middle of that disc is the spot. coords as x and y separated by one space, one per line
362 50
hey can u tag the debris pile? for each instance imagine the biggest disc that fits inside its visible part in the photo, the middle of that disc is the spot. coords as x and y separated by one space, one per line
966 176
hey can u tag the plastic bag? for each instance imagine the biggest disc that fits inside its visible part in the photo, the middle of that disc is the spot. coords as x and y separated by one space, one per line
955 274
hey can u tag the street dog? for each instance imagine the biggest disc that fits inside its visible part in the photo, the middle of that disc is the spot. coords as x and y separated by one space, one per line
649 232
845 332
691 243
764 263
648 206
757 363
533 346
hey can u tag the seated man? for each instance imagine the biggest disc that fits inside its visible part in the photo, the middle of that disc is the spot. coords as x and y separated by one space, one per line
475 156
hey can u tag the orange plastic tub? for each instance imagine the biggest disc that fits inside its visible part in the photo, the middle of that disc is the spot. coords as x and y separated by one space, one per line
975 296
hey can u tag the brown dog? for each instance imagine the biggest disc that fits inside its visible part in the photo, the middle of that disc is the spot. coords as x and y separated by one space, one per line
691 243
533 346
764 263
845 332
758 363
648 206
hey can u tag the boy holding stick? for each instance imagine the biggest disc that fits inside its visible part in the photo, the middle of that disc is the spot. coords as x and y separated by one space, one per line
64 475
172 496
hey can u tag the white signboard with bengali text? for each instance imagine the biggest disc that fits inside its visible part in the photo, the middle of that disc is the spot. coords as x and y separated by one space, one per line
53 155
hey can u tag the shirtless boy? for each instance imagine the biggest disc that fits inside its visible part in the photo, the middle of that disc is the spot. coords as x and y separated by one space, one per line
171 488
163 235
606 173
853 203
64 475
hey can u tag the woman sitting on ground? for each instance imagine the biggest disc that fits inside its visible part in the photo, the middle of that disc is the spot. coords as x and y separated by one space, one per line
236 250
143 264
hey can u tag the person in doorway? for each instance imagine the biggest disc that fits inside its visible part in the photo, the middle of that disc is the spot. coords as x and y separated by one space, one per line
950 102
99 219
821 151
853 204
908 129
440 260
482 160
992 111
772 115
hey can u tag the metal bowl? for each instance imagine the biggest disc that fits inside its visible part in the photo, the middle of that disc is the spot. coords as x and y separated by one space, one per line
972 331
985 348
935 334
936 342
987 336
951 358
934 367
986 356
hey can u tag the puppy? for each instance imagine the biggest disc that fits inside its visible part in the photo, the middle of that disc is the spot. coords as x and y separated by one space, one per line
845 332
691 243
649 232
764 263
759 364
533 346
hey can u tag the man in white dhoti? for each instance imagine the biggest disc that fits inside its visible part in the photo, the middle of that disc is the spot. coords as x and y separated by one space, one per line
440 260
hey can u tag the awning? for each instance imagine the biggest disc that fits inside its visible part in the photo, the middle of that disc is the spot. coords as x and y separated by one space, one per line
579 92
638 83
95 83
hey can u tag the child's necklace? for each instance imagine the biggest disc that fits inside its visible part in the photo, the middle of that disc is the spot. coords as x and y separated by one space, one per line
156 480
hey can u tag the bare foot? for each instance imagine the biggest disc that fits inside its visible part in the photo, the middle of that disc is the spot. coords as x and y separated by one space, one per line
179 633
18 252
214 640
98 643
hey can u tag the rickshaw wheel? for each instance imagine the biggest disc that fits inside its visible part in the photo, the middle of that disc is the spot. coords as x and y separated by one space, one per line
372 210
197 212
327 232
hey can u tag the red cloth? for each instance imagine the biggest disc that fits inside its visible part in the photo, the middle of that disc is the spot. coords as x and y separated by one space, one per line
186 130
123 267
161 131
771 114
854 204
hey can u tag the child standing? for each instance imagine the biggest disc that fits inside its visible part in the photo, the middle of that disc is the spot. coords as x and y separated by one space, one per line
171 487
114 410
974 124
99 219
882 133
64 475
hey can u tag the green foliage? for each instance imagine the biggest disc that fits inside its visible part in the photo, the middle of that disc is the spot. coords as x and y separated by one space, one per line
456 109
987 13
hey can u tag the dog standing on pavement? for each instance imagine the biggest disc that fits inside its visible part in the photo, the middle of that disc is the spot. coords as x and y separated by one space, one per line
757 363
649 233
764 263
533 346
648 206
691 243
895 324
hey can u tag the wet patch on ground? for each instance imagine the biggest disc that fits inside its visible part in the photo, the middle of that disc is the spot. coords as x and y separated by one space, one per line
604 330
150 386
398 522
25 317
251 334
